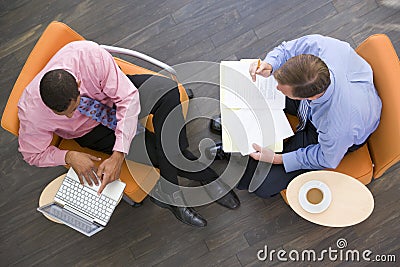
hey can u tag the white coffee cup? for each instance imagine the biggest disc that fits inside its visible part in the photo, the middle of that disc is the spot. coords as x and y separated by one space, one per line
315 196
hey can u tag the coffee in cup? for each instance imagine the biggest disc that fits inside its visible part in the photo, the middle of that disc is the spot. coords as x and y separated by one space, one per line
315 195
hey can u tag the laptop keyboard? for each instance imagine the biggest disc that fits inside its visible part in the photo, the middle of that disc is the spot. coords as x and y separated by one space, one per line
86 200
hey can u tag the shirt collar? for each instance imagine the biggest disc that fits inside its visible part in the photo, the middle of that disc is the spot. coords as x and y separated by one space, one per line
328 93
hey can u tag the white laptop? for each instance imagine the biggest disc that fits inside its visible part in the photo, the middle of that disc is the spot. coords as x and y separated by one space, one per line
80 207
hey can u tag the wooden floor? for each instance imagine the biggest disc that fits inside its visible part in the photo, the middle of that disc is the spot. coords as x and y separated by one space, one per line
178 31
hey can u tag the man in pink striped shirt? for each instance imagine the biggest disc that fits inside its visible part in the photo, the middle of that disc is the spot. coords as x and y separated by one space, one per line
83 70
98 77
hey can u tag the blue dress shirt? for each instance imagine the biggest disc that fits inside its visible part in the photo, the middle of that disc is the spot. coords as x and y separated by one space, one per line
346 114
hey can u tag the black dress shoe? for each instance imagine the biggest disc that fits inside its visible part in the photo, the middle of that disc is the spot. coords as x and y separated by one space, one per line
189 93
184 214
230 200
215 124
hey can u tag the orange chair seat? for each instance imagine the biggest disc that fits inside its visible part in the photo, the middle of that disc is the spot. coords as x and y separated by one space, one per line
357 164
363 172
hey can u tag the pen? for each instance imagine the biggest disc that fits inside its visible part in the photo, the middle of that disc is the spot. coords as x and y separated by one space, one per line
258 63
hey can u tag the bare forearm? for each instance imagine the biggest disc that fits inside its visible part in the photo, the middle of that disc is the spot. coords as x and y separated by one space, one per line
277 159
118 157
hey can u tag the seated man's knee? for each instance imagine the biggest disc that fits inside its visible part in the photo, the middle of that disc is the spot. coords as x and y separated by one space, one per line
172 96
267 190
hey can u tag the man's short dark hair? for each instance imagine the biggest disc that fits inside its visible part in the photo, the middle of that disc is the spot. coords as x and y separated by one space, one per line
58 88
308 75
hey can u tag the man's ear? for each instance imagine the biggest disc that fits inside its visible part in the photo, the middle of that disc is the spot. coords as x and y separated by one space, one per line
78 82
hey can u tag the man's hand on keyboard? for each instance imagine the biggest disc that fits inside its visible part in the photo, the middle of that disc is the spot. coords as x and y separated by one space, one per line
83 165
110 169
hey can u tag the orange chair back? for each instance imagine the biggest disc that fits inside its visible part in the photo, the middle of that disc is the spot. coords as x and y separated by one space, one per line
384 144
55 36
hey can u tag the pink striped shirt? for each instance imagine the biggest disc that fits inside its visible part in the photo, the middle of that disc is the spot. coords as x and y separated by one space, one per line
101 79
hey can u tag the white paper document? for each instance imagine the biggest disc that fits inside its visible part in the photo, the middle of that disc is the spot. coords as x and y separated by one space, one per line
239 91
251 112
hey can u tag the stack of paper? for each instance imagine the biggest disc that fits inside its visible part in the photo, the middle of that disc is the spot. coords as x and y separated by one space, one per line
251 112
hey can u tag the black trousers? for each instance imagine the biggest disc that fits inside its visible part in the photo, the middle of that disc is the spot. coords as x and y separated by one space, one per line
158 96
278 179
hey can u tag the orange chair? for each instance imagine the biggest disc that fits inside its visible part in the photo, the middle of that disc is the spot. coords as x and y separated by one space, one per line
383 147
53 39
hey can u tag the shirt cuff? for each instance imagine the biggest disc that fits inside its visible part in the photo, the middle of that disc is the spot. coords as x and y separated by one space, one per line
290 162
59 157
121 146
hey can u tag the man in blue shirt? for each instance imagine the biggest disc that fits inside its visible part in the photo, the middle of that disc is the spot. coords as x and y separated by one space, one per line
330 88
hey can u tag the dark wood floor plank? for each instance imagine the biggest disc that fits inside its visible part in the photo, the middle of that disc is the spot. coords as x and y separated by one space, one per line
285 32
380 23
195 53
120 257
272 35
174 231
9 71
102 255
230 262
199 9
270 9
250 13
285 19
221 254
122 21
172 34
94 248
303 24
8 6
17 21
16 44
82 20
120 27
342 22
226 51
257 49
343 6
196 32
185 256
225 236
176 236
147 33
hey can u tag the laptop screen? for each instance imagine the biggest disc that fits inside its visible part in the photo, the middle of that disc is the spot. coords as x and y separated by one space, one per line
72 220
